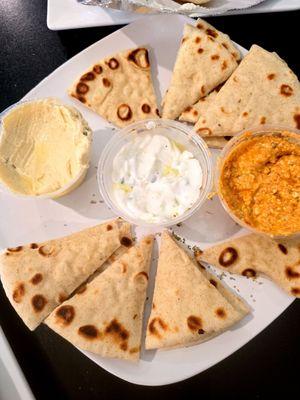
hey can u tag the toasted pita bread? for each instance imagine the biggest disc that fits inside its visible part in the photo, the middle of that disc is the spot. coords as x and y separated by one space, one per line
262 90
125 232
106 318
39 276
187 308
193 113
251 255
220 37
237 302
119 88
202 64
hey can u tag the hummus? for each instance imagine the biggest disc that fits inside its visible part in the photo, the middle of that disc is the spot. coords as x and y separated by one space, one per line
44 146
260 182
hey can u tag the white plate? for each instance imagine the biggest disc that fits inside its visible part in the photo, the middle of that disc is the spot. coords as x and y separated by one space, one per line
68 14
35 220
13 385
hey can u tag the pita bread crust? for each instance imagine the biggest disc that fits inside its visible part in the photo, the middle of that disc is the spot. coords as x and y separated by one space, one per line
262 90
113 304
257 254
119 88
186 308
202 64
39 276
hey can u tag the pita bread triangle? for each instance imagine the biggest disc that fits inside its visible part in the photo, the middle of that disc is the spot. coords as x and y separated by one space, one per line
187 308
106 318
124 232
251 255
202 63
39 276
220 37
193 113
237 302
262 90
119 88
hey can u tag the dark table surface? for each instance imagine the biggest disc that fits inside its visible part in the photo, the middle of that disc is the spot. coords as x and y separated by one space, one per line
269 364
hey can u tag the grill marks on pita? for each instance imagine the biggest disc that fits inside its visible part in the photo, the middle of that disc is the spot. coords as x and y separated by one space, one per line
39 276
194 112
252 255
202 64
119 88
38 302
189 308
220 37
107 317
19 292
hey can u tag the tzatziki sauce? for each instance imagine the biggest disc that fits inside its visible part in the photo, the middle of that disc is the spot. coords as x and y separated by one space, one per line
155 179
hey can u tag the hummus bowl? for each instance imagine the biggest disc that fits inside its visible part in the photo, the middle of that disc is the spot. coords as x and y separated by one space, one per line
188 145
44 148
258 180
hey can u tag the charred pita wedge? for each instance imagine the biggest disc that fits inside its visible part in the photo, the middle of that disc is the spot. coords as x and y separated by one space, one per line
119 88
262 90
106 318
193 113
39 276
252 254
236 301
202 64
187 308
220 37
126 243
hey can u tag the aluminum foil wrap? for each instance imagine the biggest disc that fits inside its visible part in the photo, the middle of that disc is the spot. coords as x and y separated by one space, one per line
211 7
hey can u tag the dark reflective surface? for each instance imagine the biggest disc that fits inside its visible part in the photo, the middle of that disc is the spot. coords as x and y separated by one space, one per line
55 370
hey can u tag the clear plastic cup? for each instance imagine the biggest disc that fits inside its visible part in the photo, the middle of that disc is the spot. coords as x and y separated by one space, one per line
71 185
175 131
293 134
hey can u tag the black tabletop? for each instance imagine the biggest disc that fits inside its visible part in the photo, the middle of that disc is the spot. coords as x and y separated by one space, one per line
269 364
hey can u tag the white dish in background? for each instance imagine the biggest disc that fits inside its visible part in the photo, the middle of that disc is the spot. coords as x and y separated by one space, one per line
32 220
68 14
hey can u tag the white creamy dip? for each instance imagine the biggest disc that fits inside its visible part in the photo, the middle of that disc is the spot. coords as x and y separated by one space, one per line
155 179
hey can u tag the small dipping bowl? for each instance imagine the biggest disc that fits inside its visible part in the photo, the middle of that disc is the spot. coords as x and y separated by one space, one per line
292 134
70 186
175 131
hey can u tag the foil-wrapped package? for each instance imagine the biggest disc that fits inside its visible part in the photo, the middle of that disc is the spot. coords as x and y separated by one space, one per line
194 8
